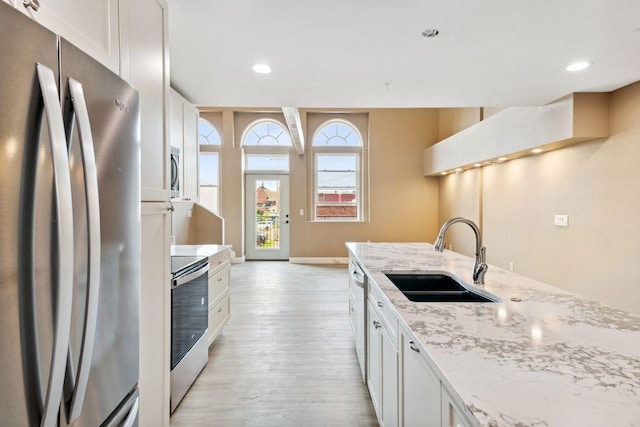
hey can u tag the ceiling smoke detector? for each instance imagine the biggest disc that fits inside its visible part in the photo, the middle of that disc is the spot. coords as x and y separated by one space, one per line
430 32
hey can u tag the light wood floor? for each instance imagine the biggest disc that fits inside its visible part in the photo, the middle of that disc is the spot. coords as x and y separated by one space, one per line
286 357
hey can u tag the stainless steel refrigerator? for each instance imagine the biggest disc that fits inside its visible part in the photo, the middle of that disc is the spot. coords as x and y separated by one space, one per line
69 234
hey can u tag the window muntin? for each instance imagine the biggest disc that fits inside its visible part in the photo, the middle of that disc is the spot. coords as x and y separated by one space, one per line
207 134
266 133
266 162
337 133
337 187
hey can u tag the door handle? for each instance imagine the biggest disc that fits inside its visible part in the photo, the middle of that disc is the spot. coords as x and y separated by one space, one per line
63 206
93 216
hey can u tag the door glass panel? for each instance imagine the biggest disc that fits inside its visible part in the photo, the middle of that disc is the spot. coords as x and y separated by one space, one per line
268 214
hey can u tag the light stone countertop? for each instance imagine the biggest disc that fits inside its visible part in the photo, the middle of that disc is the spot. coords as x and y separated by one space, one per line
553 359
198 250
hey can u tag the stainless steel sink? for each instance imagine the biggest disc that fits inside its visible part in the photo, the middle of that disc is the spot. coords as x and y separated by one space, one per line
435 286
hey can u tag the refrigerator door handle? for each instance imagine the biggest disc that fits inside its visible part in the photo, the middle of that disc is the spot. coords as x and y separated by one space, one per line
133 414
93 213
64 207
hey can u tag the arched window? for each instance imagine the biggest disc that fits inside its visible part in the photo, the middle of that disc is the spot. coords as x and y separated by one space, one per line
266 133
266 144
210 142
337 148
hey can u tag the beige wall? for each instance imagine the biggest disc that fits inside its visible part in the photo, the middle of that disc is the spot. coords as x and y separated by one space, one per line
453 120
596 183
403 203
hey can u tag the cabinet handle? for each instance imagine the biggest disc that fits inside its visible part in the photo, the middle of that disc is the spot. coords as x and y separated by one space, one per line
33 4
377 324
171 208
413 347
219 279
220 310
380 304
353 309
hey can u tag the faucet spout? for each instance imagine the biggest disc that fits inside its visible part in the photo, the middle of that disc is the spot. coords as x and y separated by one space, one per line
480 265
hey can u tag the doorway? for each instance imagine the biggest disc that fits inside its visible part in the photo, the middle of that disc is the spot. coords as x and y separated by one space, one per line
267 217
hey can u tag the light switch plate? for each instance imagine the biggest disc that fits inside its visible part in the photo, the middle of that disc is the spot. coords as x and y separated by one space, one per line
561 220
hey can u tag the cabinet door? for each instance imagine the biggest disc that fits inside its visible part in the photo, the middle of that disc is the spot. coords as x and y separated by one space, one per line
91 25
147 70
420 394
155 315
176 131
190 152
374 357
389 383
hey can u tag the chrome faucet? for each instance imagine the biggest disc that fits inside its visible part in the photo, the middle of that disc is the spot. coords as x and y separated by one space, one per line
480 265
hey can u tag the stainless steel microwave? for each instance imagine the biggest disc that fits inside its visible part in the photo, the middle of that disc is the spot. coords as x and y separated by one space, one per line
175 172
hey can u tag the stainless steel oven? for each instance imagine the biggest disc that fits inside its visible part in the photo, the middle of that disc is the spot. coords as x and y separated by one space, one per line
189 319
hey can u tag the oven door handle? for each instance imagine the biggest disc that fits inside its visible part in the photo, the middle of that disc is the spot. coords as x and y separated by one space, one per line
189 277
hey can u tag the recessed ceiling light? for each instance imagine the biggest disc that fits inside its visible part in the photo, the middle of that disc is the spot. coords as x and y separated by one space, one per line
577 66
262 68
476 165
430 33
458 170
502 159
443 173
536 150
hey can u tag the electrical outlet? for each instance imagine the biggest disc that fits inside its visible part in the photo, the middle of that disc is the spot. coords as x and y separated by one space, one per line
511 266
561 220
301 212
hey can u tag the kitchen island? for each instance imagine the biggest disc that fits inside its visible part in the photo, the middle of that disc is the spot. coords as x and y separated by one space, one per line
542 356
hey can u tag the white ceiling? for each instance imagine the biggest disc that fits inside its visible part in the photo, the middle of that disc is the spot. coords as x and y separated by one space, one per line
340 53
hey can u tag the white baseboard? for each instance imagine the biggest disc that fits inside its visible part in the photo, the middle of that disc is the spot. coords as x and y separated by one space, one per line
319 260
237 259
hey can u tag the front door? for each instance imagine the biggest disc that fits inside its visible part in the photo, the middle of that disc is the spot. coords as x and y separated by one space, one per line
267 217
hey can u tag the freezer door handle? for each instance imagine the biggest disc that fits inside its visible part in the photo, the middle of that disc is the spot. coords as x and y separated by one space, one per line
93 216
63 206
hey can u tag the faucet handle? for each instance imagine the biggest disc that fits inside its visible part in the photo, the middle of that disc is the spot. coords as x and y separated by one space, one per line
483 254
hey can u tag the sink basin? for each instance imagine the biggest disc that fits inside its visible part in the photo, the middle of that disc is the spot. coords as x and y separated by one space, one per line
420 286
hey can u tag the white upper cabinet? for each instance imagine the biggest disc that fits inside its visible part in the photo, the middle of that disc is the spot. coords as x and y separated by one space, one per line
184 136
145 65
91 25
190 152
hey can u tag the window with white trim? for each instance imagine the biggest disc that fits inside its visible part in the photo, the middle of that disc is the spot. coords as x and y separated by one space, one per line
338 173
210 143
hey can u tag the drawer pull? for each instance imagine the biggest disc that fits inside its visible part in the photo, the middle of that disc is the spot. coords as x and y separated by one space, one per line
377 324
380 304
413 347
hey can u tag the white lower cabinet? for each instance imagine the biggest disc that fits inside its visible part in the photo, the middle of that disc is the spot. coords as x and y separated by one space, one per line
219 293
420 387
404 384
382 369
451 412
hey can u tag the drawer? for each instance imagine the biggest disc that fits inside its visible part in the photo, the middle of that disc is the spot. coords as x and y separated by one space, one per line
383 307
218 316
218 261
218 285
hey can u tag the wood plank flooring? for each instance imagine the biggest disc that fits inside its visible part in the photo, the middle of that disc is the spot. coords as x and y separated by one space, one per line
286 357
